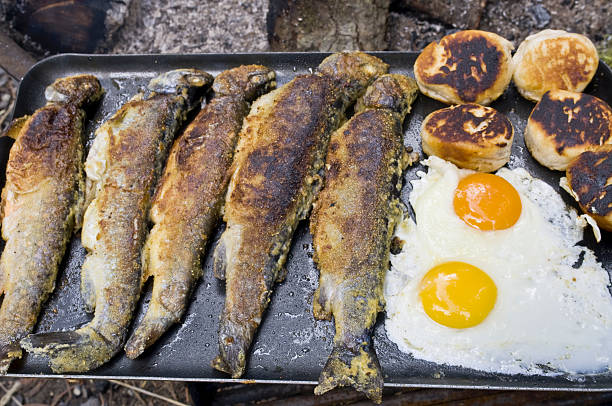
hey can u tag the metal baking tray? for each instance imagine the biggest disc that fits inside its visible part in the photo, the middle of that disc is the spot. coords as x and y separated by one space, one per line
291 347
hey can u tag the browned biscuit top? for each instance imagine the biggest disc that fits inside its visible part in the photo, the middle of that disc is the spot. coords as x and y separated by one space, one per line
471 123
563 63
572 119
590 177
467 61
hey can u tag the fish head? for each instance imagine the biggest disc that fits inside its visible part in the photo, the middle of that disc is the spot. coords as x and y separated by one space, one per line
352 72
391 91
78 90
249 81
192 84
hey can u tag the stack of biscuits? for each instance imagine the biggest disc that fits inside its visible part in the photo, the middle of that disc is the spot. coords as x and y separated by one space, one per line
567 130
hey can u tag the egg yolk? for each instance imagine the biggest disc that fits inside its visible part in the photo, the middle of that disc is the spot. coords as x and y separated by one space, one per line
457 295
487 202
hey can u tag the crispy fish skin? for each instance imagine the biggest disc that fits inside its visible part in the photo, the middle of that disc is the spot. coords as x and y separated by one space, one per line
123 166
41 203
187 204
352 223
276 175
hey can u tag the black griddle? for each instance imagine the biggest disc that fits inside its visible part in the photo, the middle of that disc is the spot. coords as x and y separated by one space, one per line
291 347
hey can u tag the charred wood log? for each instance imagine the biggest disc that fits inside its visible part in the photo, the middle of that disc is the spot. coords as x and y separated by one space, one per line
327 25
458 13
66 26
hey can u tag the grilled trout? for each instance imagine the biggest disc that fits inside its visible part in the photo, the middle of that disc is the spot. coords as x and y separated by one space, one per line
187 204
122 169
41 203
353 220
276 174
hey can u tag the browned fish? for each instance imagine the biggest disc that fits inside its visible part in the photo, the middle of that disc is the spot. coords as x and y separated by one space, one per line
41 202
123 166
276 175
187 203
352 223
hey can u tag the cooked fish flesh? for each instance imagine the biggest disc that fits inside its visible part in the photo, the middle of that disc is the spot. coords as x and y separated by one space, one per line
353 220
123 166
187 204
41 203
276 174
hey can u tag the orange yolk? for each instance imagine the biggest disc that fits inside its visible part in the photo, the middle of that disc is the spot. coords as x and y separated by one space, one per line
487 202
457 295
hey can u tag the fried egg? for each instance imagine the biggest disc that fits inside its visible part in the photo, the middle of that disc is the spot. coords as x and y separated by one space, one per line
490 277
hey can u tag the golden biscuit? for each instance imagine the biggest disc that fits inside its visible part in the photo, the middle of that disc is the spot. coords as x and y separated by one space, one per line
465 67
554 59
565 124
469 135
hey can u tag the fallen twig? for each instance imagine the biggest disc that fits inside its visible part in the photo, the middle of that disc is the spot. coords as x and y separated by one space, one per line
4 400
146 392
187 395
34 390
59 397
140 398
170 388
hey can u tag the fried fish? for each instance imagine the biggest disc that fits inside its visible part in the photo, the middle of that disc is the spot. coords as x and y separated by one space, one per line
187 204
276 174
353 220
123 166
41 203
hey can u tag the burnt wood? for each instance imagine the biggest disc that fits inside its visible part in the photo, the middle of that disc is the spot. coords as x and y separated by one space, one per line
322 25
67 26
463 14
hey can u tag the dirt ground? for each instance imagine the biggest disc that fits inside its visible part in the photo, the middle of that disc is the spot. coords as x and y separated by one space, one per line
87 392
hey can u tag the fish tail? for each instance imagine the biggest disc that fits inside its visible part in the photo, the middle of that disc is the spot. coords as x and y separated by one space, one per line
155 323
357 367
71 351
234 343
8 353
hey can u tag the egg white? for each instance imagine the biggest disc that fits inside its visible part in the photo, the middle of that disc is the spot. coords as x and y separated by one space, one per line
549 317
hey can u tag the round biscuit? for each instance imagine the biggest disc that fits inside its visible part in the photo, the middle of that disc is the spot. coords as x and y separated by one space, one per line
590 177
469 66
565 124
469 135
554 59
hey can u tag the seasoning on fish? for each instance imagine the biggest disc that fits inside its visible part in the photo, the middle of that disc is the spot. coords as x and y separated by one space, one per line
353 220
187 204
123 166
42 202
276 174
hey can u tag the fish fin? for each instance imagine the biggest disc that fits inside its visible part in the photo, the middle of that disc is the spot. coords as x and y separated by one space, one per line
282 274
3 277
9 353
79 206
320 310
145 262
356 367
234 342
16 126
220 260
88 289
71 351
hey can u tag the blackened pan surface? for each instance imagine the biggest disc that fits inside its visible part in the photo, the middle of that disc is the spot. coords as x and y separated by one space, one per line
291 346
